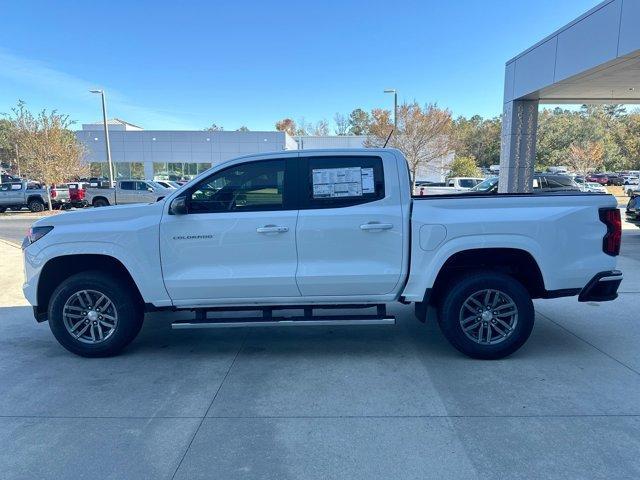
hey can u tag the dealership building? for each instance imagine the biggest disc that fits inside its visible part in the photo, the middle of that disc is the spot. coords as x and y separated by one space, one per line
183 154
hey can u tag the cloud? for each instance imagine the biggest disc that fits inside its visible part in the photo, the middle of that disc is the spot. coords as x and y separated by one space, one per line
39 75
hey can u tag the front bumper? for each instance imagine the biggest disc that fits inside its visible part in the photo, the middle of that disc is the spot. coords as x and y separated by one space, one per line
603 287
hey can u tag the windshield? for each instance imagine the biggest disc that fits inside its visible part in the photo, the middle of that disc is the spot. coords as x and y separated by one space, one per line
155 184
469 182
487 185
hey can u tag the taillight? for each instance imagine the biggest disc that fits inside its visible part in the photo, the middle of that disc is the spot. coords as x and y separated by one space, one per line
612 239
81 193
53 192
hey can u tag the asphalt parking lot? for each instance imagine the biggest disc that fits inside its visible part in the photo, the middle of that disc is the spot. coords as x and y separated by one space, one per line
326 403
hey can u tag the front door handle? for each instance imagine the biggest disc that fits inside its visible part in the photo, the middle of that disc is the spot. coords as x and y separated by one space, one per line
376 226
272 229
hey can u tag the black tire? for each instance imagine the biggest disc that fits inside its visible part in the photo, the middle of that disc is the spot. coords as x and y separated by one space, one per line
100 202
130 314
36 205
452 311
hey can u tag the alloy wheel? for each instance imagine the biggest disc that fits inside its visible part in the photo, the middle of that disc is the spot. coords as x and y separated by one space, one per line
90 316
488 317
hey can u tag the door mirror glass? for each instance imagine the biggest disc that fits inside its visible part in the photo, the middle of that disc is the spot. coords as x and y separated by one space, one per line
179 206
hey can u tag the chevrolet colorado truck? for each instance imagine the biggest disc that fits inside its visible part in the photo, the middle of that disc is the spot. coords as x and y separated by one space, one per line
313 231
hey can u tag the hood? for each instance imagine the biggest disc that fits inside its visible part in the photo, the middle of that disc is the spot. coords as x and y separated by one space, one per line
102 214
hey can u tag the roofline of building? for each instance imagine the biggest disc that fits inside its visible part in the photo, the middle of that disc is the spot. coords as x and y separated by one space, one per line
562 29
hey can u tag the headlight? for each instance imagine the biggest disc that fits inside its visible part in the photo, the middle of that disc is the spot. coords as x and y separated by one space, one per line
35 234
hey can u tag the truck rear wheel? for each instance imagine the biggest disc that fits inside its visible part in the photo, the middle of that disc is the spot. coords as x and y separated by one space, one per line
100 202
487 315
36 205
93 315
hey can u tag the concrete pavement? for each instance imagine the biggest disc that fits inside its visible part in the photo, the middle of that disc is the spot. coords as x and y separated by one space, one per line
324 403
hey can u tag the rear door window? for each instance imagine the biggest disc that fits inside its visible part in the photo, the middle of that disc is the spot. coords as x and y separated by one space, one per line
333 182
127 185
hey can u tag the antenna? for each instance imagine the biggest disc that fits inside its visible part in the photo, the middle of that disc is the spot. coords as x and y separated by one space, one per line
387 141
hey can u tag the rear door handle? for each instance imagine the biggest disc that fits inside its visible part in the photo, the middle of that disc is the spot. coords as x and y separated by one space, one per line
272 229
376 226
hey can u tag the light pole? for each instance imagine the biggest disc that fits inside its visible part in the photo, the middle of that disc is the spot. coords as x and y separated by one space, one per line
395 106
106 134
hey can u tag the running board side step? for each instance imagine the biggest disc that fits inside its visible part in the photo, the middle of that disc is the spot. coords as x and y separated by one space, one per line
284 322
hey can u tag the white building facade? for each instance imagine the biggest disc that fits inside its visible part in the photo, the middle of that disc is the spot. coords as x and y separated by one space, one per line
183 154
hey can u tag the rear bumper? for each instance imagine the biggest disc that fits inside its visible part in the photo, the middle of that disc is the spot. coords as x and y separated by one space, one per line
603 287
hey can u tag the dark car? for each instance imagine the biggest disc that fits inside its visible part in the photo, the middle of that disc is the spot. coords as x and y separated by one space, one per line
633 209
615 179
542 183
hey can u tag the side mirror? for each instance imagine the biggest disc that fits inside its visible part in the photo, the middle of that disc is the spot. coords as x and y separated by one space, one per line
149 189
179 206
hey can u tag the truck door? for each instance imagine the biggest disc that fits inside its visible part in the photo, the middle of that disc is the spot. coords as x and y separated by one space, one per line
350 226
145 193
126 192
238 239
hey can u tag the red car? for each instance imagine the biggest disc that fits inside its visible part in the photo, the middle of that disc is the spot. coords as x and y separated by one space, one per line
600 178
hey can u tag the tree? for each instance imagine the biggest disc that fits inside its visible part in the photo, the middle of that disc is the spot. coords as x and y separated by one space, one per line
214 128
342 124
359 121
478 138
49 151
243 128
287 125
321 128
423 134
585 158
464 167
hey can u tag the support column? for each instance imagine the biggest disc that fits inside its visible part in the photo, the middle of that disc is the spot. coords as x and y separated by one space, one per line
148 170
518 146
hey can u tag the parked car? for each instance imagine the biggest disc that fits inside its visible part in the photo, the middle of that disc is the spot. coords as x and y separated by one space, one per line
593 187
631 180
168 184
615 179
127 191
542 183
600 178
633 209
320 229
452 185
17 195
77 194
60 197
632 190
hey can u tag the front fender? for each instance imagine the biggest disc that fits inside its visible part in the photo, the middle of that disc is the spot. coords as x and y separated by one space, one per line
143 268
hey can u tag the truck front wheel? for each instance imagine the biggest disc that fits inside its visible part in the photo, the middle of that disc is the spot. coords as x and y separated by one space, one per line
487 315
100 202
92 314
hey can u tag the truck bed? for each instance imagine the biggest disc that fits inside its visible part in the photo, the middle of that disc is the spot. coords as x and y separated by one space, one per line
561 230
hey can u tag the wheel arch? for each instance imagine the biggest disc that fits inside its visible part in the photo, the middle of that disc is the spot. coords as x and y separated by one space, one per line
100 197
58 269
516 262
37 198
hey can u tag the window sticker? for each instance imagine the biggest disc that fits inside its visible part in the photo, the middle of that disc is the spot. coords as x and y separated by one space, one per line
342 182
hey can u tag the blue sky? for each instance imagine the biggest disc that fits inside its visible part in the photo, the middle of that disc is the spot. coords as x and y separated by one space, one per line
184 65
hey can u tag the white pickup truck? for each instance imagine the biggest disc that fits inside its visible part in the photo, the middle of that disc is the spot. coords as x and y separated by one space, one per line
452 185
319 230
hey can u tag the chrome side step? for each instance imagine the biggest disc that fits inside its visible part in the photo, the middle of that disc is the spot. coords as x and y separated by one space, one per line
284 322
